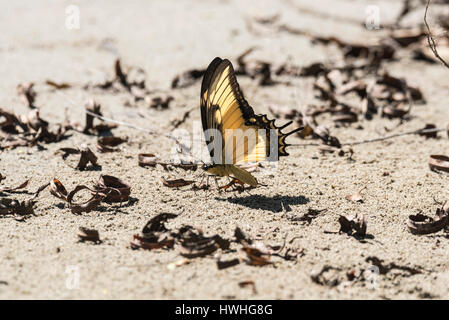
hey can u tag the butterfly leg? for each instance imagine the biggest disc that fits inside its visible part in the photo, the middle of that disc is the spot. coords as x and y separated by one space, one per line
216 183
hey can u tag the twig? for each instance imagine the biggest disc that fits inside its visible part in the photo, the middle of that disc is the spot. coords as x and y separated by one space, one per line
394 136
431 41
419 131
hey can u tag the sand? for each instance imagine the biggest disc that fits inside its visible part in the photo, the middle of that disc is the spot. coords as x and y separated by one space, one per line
40 257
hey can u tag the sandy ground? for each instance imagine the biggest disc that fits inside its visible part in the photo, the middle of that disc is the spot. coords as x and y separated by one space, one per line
166 38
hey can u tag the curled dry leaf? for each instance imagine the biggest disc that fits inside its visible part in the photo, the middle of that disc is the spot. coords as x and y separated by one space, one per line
85 234
187 78
194 244
176 183
109 144
241 237
86 206
58 190
28 130
353 226
422 224
147 159
86 156
154 235
158 222
26 91
256 256
12 189
93 108
114 188
439 163
15 207
257 253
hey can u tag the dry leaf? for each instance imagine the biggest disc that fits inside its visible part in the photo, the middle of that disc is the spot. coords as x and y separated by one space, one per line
58 86
108 144
115 189
187 78
192 243
15 207
58 190
86 156
147 159
11 189
422 224
154 234
248 283
439 163
85 234
177 183
26 91
227 264
86 206
353 226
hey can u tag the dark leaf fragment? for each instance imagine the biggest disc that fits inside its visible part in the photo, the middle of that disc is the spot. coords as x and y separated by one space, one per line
86 206
227 263
160 103
187 78
176 183
154 234
85 234
15 207
86 156
12 189
109 144
353 226
194 244
385 268
439 162
422 224
58 86
26 91
114 188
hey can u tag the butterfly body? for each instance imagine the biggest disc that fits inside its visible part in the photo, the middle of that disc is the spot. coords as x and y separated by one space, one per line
223 170
234 133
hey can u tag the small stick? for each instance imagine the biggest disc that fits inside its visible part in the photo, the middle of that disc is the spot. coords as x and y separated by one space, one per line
430 39
377 139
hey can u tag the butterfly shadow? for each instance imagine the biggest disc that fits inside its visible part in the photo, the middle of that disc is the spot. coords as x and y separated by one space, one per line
273 204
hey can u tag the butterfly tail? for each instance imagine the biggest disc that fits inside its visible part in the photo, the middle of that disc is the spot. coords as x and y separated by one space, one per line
243 175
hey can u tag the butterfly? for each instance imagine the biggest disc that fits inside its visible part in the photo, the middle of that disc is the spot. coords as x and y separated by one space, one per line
234 134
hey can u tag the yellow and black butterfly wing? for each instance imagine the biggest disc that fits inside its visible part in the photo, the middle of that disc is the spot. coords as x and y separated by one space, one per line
223 107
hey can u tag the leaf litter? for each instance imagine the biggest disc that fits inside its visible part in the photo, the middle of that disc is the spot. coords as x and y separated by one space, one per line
360 74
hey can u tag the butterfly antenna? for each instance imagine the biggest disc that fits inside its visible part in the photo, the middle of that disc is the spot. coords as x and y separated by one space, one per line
293 131
285 125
